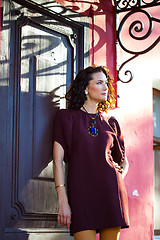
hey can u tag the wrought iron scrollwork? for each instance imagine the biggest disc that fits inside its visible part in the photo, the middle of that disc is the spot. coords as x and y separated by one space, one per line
136 29
125 5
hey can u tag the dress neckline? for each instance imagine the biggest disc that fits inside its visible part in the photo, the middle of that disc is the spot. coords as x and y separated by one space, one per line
102 115
89 112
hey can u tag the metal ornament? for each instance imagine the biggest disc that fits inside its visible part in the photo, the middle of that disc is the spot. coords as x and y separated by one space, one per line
92 130
141 27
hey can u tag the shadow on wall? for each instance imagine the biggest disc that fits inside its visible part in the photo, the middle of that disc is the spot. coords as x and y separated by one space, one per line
84 7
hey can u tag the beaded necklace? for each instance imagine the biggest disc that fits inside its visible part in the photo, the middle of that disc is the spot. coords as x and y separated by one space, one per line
92 130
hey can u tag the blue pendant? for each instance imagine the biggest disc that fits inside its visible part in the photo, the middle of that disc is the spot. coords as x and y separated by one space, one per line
93 131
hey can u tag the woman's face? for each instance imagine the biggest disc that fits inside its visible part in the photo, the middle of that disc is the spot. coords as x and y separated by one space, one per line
97 88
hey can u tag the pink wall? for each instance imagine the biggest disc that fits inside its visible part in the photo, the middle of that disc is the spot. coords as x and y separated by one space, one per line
134 110
135 115
102 38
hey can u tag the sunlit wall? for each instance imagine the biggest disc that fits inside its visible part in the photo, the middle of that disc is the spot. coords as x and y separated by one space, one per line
134 110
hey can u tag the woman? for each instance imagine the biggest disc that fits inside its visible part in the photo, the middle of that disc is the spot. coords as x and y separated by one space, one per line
92 144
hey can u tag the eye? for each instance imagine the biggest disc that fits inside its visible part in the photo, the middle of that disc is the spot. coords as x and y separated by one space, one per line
107 83
99 83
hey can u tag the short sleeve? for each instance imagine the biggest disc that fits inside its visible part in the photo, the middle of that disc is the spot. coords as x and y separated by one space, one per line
62 131
118 149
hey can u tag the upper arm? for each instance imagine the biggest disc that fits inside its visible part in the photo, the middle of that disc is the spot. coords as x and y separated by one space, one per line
118 149
58 152
62 134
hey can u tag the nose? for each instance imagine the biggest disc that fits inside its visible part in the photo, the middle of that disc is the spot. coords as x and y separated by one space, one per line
105 87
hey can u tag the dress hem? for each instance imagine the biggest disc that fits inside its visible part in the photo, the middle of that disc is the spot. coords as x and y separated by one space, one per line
100 228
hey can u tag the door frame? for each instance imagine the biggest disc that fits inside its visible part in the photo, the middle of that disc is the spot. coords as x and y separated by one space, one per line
13 106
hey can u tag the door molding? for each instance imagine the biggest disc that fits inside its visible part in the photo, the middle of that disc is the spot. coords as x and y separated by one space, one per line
18 210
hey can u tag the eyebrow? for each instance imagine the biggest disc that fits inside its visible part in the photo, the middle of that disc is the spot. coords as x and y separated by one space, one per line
102 80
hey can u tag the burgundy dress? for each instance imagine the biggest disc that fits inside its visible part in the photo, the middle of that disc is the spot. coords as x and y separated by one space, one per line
96 190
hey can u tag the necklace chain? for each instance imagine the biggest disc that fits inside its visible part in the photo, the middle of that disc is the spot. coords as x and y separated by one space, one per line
90 115
92 130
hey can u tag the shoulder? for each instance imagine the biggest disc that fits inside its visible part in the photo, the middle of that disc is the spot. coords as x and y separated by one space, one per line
63 114
66 115
109 118
113 120
63 121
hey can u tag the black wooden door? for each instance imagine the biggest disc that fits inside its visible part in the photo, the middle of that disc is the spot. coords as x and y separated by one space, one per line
46 52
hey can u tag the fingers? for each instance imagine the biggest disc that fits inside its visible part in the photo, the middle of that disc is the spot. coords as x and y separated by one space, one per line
64 220
59 219
68 222
119 168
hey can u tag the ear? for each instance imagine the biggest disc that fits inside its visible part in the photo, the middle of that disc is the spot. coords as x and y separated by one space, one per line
86 91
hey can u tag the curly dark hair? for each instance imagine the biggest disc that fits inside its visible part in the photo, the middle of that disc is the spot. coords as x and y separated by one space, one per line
76 96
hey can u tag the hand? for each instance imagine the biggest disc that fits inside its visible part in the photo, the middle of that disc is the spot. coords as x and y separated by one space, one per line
119 168
64 215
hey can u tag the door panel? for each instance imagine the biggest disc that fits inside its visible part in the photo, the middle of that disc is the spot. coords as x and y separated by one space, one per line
44 59
45 56
42 90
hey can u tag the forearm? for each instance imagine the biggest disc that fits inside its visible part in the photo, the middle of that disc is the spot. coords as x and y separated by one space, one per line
59 180
64 212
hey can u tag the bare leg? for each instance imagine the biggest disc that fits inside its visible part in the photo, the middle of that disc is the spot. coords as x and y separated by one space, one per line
85 235
110 233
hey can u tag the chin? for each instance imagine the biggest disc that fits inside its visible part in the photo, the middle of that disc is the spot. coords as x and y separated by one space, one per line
103 99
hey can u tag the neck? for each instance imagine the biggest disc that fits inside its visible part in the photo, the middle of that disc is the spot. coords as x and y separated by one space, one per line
90 107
